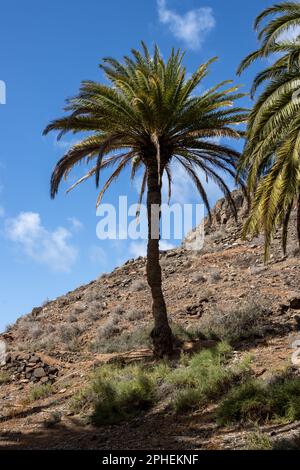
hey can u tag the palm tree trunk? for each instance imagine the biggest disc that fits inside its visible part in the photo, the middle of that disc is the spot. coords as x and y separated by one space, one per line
161 334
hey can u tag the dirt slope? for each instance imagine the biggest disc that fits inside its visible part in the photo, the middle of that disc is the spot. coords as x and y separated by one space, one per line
67 337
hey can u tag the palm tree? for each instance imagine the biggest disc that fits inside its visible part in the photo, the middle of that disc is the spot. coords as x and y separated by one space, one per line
149 117
271 154
285 17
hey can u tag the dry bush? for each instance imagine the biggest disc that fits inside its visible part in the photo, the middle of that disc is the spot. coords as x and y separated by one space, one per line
78 307
133 315
217 236
94 311
72 318
37 331
296 252
92 294
126 341
68 333
243 321
4 377
245 261
138 285
117 311
109 328
215 276
54 418
8 327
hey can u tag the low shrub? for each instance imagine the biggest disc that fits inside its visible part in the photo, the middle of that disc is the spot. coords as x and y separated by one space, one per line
245 261
118 311
138 285
205 377
106 342
68 333
255 401
258 441
48 343
36 392
133 315
296 252
215 276
244 321
4 377
8 327
31 328
78 307
94 310
116 394
72 318
109 328
138 338
183 334
198 278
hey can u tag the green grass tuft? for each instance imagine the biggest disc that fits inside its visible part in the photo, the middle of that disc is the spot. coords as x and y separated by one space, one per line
207 376
117 393
4 377
259 441
258 402
37 392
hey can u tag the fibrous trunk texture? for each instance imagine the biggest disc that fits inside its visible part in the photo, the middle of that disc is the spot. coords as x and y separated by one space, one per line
161 334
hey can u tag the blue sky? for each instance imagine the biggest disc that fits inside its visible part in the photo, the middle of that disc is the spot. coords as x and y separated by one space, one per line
50 247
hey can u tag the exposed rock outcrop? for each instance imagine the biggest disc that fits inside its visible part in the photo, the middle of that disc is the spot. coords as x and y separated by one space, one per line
26 368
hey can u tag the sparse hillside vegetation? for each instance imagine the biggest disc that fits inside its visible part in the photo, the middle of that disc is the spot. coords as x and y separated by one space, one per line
243 321
258 402
233 318
119 392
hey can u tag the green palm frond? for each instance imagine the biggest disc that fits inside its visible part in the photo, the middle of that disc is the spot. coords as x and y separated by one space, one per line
151 114
271 154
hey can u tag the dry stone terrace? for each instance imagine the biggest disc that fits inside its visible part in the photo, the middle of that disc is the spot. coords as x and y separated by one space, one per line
26 368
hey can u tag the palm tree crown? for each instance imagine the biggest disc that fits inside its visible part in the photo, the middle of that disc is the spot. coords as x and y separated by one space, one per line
271 154
149 117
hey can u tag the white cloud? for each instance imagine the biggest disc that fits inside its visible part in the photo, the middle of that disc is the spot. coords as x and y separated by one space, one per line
183 189
76 225
191 27
41 245
98 255
165 245
137 249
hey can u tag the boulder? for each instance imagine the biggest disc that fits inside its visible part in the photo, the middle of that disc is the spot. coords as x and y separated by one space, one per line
295 303
39 373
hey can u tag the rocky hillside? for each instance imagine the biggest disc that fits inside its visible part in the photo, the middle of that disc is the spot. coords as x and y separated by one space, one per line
60 343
